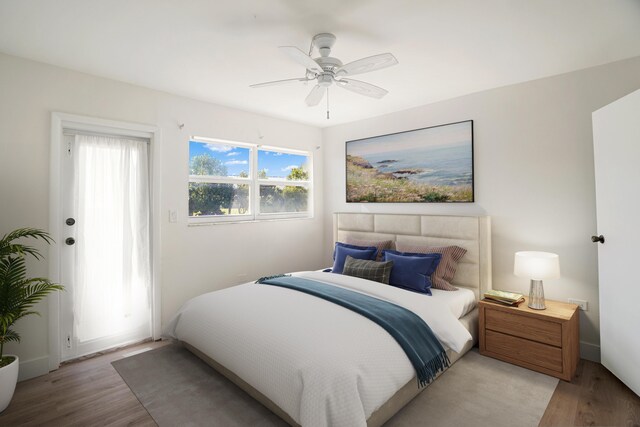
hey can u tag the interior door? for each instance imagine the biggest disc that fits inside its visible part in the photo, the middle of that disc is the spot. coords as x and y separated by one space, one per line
106 256
616 137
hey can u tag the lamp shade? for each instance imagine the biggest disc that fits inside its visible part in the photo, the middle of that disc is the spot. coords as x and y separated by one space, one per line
536 265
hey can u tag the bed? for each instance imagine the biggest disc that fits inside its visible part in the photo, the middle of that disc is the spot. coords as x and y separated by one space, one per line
314 363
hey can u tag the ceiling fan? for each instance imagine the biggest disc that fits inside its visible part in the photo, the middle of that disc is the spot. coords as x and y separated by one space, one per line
327 70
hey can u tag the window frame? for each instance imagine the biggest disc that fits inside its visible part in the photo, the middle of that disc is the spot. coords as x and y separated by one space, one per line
254 184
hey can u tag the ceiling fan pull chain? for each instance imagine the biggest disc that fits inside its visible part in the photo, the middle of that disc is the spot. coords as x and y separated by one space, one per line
327 103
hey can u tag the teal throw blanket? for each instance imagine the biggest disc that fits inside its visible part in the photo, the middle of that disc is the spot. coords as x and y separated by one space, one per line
421 346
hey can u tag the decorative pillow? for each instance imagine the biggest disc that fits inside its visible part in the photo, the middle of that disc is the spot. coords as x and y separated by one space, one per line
342 250
443 276
366 269
412 271
381 245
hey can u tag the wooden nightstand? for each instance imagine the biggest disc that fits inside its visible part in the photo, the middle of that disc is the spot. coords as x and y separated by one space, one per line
546 341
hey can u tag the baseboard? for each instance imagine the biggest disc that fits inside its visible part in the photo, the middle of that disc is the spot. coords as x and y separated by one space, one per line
40 366
590 351
33 368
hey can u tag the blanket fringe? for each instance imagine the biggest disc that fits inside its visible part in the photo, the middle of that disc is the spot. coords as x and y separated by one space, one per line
428 372
264 279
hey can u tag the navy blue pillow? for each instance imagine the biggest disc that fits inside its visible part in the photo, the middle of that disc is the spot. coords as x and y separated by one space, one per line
358 252
412 271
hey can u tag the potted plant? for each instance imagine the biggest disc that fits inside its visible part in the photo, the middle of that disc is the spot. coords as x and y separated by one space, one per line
18 295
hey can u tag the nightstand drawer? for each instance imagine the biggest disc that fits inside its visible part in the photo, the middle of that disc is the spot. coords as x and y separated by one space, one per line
524 350
524 327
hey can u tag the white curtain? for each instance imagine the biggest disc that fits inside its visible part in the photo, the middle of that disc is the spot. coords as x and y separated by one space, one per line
113 273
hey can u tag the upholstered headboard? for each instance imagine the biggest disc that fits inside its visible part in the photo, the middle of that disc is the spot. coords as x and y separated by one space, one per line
470 232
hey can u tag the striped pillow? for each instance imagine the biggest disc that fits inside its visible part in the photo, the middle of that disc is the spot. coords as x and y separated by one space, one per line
381 245
443 276
370 270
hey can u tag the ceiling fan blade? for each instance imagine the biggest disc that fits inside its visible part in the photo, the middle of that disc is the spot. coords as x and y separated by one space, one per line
362 88
315 96
279 82
365 65
301 58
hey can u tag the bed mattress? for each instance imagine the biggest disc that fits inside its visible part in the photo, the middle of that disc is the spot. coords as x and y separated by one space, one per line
319 363
460 302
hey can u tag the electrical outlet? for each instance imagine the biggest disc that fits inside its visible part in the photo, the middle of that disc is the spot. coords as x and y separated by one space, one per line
582 305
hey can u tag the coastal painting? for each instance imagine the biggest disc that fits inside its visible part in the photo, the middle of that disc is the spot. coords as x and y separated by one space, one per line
429 165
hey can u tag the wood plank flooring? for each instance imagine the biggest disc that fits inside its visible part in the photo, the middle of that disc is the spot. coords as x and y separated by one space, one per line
595 397
84 393
91 393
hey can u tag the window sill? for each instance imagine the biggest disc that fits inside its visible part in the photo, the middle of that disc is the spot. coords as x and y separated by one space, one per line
246 221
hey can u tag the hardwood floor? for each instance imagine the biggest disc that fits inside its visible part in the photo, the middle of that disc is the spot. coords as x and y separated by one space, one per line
91 393
595 397
84 393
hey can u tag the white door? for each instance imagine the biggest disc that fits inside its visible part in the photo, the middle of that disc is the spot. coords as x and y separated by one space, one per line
616 139
105 260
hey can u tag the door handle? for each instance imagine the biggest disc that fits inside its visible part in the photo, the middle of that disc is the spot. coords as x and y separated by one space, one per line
70 241
599 238
70 221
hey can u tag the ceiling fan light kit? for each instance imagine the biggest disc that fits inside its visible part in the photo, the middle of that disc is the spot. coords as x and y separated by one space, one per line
327 70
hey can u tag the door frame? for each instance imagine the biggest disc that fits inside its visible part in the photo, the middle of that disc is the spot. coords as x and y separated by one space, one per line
59 121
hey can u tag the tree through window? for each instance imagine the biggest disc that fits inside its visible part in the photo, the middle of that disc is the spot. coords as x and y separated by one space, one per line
239 182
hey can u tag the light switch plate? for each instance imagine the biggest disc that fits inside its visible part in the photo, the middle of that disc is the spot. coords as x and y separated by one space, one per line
173 215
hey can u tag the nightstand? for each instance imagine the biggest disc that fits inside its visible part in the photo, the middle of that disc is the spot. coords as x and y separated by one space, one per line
546 341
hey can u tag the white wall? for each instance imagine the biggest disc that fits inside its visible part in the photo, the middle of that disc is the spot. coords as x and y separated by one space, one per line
533 158
194 259
533 174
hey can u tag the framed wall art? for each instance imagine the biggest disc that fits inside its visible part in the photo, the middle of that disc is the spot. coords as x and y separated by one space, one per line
429 165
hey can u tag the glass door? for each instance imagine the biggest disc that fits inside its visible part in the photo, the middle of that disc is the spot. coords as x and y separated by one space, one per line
106 260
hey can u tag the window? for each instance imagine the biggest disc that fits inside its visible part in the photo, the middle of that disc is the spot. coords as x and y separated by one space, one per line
284 182
230 181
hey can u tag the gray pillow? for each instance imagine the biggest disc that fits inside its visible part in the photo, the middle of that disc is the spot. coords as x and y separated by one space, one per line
380 245
366 269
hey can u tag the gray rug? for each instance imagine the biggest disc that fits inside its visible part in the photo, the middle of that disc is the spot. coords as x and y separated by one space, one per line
177 388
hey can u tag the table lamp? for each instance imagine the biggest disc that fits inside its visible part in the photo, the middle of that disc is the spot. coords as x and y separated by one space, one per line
536 266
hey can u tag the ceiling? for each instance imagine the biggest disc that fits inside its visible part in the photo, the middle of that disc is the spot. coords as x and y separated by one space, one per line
212 50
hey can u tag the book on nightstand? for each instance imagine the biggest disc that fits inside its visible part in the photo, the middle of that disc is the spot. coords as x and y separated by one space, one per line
504 297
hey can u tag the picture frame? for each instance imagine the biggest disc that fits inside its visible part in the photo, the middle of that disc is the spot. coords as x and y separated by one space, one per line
427 165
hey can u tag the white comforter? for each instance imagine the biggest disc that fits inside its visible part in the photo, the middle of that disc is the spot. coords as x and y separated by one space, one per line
324 365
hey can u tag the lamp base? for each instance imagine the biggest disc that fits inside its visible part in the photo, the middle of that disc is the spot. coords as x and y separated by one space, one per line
536 295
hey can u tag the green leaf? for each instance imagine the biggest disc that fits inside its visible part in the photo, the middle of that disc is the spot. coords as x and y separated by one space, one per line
19 294
7 247
9 335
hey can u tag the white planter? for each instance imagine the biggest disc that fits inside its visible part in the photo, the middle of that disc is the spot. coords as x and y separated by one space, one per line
8 380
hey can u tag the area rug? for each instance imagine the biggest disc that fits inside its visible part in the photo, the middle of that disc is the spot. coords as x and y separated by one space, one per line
177 388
